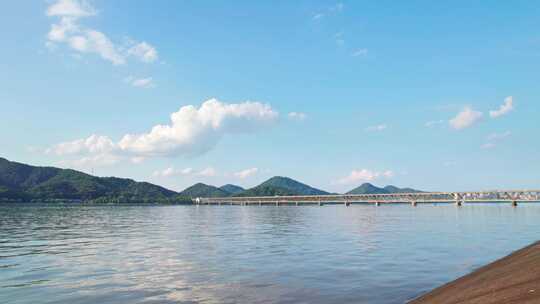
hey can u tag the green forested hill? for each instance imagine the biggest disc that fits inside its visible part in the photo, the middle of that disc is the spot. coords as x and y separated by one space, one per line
232 189
291 185
24 182
204 190
368 188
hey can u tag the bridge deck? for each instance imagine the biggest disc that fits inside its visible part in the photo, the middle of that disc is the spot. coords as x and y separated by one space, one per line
512 196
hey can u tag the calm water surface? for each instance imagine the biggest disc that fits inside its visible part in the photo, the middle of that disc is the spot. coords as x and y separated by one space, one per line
212 254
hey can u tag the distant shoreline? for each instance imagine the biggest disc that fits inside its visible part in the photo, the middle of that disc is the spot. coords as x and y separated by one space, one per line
512 279
92 203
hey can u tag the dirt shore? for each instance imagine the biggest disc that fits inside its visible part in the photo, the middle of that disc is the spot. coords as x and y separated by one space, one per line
513 279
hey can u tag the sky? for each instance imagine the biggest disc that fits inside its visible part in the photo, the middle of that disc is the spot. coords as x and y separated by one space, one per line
426 94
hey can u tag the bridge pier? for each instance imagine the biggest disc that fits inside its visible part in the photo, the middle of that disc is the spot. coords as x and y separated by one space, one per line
296 204
347 204
459 203
320 203
514 203
414 203
377 204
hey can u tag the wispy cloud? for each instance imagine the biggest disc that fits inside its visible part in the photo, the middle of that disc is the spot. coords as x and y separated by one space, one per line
360 52
84 40
433 123
494 138
298 116
171 171
144 52
246 173
465 119
377 128
488 145
364 175
504 109
145 83
332 10
318 16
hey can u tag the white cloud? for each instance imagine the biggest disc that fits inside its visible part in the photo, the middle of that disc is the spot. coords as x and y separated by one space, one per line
360 52
466 118
87 152
194 131
208 172
246 173
364 175
78 38
170 171
71 8
493 138
92 41
60 31
433 123
144 52
94 144
488 145
299 116
137 159
144 83
498 136
377 128
186 171
165 172
98 160
504 109
332 10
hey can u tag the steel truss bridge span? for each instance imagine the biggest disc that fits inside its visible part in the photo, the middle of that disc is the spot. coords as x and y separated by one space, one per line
496 196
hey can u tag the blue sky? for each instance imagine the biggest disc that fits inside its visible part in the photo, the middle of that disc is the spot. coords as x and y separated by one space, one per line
431 95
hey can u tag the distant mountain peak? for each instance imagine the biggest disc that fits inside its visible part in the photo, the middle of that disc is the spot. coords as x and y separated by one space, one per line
204 190
292 185
232 189
367 188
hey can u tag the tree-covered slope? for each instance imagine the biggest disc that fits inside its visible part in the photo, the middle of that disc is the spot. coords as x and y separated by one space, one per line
292 186
21 181
204 190
368 188
232 189
394 189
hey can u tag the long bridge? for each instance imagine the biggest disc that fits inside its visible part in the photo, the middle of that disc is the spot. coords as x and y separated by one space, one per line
458 198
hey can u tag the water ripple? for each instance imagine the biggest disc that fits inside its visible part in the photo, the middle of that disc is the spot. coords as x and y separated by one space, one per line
184 254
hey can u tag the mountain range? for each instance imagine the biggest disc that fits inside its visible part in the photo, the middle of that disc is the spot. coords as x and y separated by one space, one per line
21 182
24 182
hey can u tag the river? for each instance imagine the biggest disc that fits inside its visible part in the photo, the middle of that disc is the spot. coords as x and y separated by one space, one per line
249 254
